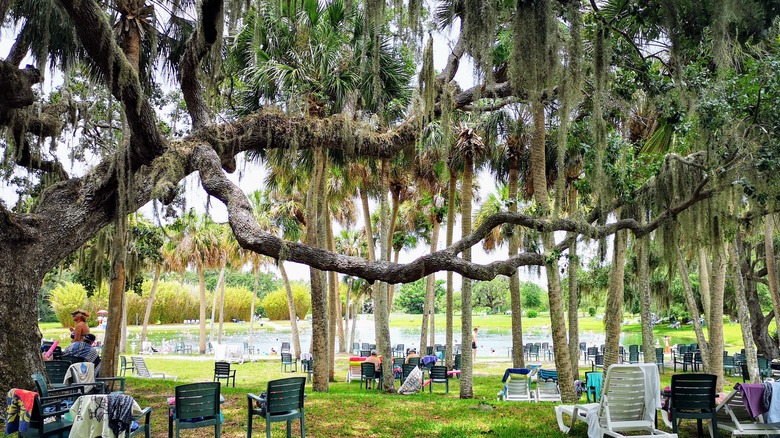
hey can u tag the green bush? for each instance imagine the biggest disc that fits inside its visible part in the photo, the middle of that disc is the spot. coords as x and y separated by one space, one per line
592 311
68 297
275 303
238 303
532 314
173 303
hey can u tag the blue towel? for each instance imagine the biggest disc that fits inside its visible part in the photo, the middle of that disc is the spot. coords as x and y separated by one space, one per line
594 381
773 414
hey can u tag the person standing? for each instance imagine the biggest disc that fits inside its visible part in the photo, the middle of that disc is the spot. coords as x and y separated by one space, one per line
81 328
474 345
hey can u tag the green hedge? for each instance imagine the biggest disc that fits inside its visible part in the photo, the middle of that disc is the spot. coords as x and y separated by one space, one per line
275 303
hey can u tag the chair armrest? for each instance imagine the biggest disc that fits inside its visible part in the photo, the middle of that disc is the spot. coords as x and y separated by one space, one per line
254 397
106 380
147 413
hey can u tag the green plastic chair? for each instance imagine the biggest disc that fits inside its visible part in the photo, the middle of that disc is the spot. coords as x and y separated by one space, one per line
197 405
56 370
283 402
438 374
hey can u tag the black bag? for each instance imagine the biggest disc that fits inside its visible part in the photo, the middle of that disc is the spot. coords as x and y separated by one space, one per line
262 404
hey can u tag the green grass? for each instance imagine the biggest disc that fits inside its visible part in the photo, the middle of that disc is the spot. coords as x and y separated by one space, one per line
347 411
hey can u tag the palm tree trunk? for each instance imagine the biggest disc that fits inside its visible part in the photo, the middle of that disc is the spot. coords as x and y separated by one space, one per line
466 385
427 315
574 300
450 285
613 318
296 338
771 266
252 309
381 309
518 359
369 233
743 313
202 314
150 301
432 284
214 301
319 316
334 321
221 310
643 276
693 310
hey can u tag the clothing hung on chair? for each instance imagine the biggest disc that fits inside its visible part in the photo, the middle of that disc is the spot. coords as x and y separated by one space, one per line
20 404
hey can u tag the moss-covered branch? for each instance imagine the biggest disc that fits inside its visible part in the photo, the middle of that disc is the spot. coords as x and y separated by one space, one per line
198 46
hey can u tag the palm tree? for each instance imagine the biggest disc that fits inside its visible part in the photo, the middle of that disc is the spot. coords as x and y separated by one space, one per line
194 242
470 148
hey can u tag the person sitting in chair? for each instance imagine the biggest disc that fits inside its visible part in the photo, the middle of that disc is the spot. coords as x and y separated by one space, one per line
82 351
412 353
81 328
374 359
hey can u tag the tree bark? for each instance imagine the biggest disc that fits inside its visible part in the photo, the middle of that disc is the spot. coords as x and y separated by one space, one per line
334 322
451 188
718 287
515 300
221 310
613 318
643 277
693 309
744 315
704 282
319 308
19 343
381 309
202 313
771 266
574 303
367 227
467 365
296 338
428 307
220 279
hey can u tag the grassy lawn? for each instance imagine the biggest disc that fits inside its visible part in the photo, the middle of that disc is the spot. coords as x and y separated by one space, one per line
346 410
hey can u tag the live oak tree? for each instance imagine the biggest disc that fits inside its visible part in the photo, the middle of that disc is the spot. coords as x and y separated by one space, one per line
59 212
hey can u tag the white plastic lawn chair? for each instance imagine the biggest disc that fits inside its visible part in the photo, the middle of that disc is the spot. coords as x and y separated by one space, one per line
629 402
517 385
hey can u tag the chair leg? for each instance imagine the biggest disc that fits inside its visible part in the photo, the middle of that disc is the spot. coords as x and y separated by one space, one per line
289 429
217 430
267 429
303 427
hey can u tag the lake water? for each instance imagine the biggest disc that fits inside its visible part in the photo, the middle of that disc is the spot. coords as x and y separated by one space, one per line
490 342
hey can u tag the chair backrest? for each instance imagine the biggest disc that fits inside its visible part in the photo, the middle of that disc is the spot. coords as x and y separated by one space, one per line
398 361
365 353
440 347
688 357
518 383
367 370
286 358
438 372
197 400
728 361
623 396
633 347
399 347
40 382
659 355
284 395
534 349
414 361
548 375
221 368
457 363
693 392
406 370
428 350
140 366
364 346
56 370
593 351
633 356
583 346
693 347
285 347
682 348
599 359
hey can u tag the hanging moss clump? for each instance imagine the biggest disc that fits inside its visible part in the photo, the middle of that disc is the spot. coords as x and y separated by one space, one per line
569 94
478 31
598 125
535 47
427 84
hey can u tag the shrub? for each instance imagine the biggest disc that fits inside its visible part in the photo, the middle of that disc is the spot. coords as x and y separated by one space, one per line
68 297
238 303
532 314
275 303
592 311
173 303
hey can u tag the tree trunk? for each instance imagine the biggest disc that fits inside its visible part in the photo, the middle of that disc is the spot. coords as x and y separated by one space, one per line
221 310
693 309
643 277
19 285
296 338
202 285
150 302
369 233
704 282
466 385
428 307
715 322
252 309
432 283
319 308
214 302
771 267
381 309
744 316
116 296
452 186
613 318
518 358
334 322
574 303
557 315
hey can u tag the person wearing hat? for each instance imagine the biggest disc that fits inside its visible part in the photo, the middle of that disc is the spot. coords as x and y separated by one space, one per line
81 328
412 353
83 351
374 360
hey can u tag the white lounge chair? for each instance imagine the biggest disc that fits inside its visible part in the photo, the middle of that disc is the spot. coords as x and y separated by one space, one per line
629 402
143 371
547 386
734 417
517 385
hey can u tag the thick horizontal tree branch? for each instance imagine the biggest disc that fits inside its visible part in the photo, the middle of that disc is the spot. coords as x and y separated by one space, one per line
198 46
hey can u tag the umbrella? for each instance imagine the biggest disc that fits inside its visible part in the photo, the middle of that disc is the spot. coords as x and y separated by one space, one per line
102 312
